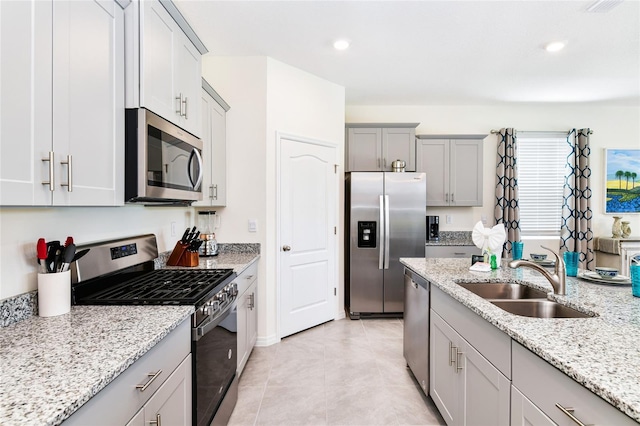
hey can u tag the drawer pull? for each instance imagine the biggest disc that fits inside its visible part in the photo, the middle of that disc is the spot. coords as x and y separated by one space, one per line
569 412
157 421
458 368
152 376
451 348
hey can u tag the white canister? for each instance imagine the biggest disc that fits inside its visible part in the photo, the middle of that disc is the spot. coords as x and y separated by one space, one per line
54 294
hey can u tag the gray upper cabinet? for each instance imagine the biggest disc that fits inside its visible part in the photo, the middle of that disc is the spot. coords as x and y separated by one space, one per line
164 64
453 164
63 57
372 147
214 148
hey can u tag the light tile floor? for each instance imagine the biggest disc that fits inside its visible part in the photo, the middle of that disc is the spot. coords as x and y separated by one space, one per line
346 372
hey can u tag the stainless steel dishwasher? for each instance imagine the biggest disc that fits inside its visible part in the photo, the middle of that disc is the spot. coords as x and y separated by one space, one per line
416 327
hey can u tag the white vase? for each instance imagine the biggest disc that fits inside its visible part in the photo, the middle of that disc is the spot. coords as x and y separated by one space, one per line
616 229
626 229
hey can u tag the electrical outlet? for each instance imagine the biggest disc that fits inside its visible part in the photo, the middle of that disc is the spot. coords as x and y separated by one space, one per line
253 225
483 218
449 219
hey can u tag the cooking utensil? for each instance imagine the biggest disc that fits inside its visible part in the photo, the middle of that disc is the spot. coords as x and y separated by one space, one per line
68 241
67 257
53 253
42 255
79 254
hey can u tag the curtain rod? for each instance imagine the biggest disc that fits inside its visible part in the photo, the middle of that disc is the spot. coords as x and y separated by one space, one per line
495 132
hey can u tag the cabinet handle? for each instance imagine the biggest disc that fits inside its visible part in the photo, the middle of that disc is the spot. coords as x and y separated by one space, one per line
179 99
69 183
157 421
452 197
458 368
384 163
569 412
451 348
215 191
458 253
252 302
186 105
152 376
50 182
446 197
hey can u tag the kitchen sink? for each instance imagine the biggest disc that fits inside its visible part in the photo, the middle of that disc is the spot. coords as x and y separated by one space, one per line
539 309
503 290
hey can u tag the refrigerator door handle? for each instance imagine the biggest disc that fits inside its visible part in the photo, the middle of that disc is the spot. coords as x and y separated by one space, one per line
386 232
382 241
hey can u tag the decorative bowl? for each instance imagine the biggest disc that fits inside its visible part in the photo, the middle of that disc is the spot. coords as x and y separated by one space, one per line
606 272
538 257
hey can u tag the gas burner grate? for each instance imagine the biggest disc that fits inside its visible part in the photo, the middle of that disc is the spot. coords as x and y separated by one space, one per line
163 286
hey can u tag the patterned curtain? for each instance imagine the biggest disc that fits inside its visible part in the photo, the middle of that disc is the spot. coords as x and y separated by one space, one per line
507 210
576 233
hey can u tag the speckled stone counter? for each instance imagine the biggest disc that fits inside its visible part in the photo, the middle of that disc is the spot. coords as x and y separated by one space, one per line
236 261
51 366
453 238
600 353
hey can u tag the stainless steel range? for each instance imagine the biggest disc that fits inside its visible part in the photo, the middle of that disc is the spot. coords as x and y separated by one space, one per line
121 272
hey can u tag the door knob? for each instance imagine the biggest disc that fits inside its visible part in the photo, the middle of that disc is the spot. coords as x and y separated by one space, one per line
286 248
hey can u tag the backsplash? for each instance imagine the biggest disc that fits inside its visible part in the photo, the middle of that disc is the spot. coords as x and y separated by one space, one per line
18 308
23 306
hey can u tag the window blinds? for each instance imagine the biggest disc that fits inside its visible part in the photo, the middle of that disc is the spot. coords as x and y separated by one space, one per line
541 160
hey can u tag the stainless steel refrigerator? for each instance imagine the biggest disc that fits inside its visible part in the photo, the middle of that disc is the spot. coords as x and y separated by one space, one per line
385 220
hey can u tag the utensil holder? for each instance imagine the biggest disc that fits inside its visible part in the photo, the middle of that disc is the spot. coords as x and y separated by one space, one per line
54 294
181 257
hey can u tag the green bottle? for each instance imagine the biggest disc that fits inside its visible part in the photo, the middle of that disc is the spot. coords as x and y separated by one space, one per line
494 263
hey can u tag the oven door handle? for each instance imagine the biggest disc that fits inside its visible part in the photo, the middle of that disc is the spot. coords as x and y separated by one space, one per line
198 332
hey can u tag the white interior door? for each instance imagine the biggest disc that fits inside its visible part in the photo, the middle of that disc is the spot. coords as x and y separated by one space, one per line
307 211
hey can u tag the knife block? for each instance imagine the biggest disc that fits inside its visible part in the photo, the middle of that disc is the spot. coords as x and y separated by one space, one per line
181 257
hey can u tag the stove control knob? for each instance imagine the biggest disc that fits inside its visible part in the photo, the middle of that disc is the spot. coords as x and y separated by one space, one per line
222 296
234 289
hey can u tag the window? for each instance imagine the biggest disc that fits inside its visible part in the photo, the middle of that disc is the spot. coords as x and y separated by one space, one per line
541 160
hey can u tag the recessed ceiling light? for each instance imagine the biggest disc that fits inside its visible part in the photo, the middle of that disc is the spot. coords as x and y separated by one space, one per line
555 46
341 44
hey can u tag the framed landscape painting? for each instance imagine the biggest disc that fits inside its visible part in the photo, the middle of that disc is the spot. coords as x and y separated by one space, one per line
622 180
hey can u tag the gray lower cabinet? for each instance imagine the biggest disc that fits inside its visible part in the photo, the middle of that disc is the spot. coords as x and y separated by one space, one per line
559 397
470 365
159 383
451 251
525 413
247 314
465 387
171 404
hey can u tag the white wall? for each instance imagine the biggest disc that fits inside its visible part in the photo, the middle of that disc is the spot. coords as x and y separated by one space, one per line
613 127
267 96
21 227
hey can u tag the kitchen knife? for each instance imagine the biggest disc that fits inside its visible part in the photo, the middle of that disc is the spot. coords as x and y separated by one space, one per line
67 257
183 240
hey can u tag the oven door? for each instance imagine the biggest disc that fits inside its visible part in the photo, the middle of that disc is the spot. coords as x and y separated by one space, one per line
215 389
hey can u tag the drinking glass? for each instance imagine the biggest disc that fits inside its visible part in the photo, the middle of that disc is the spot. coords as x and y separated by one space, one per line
634 269
571 262
517 248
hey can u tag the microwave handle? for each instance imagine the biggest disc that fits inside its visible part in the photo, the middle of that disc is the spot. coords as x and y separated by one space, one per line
195 153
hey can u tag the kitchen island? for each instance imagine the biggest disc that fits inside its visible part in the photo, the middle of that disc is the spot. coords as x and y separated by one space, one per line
601 353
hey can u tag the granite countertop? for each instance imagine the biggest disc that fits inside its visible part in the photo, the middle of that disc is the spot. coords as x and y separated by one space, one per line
452 238
51 366
600 353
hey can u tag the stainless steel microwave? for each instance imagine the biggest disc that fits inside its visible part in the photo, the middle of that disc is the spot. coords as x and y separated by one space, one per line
163 163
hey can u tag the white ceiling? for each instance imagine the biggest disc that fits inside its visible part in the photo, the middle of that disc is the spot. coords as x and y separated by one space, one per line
438 52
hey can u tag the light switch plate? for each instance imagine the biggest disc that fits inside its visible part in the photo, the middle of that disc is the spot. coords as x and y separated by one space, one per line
449 219
253 225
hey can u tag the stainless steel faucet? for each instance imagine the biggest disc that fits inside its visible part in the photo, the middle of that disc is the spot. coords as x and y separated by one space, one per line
556 279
